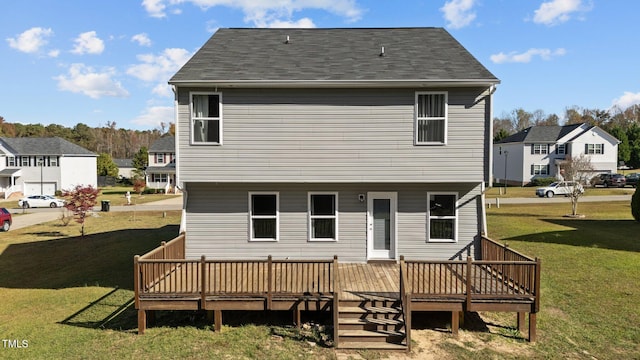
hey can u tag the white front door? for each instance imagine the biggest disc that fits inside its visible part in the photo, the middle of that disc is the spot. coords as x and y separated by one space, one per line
381 225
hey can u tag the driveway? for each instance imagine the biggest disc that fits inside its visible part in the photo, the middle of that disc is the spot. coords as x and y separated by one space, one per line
40 215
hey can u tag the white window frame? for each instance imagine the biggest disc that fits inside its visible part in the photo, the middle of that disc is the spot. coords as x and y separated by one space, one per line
540 149
310 217
25 161
417 119
11 161
157 177
540 169
160 158
53 161
252 217
561 149
447 217
595 149
193 118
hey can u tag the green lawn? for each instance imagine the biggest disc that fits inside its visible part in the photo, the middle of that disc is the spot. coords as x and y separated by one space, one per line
70 297
530 192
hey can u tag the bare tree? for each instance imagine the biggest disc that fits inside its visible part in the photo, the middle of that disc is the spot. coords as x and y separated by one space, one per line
577 169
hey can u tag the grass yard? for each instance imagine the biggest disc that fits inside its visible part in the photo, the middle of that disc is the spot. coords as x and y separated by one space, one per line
69 297
530 192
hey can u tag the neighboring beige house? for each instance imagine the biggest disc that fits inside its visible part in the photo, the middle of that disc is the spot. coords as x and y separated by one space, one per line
161 171
125 168
539 151
30 166
305 143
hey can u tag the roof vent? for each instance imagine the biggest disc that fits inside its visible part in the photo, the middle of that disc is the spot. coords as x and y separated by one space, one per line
382 51
287 41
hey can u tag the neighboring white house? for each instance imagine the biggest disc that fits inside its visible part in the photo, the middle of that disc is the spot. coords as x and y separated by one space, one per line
44 165
161 171
125 168
305 143
539 151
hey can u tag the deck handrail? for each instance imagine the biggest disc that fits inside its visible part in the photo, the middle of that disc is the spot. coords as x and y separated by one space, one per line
405 300
493 250
174 249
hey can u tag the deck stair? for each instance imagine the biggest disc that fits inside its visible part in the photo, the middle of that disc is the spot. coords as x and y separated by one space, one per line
373 322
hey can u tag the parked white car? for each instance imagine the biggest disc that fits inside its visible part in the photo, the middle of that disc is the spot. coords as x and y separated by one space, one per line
40 201
559 188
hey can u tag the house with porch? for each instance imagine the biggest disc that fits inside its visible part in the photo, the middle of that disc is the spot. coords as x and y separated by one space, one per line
540 151
339 170
161 170
37 165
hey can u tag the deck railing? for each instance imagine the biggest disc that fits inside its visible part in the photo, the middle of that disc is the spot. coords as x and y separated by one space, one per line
405 299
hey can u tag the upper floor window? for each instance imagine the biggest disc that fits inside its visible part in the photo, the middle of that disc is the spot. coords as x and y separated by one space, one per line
442 217
561 149
323 216
206 119
53 161
540 149
592 149
160 158
263 216
431 118
11 161
24 161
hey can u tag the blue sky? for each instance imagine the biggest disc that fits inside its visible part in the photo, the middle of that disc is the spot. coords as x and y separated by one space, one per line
93 62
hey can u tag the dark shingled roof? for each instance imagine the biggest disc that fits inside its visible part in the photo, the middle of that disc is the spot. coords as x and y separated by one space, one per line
123 163
166 143
44 146
352 54
540 134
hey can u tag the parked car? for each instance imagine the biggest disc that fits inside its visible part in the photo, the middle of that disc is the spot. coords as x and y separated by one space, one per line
632 179
559 188
5 219
609 180
40 201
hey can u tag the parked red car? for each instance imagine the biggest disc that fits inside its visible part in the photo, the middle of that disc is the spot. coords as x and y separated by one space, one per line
5 219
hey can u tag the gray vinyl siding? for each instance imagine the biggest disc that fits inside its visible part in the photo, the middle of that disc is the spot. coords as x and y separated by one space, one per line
333 135
217 221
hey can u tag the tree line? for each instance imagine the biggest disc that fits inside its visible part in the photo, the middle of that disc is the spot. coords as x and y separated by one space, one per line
624 124
118 143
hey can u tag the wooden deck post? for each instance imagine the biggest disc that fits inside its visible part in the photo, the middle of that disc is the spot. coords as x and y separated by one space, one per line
142 321
455 322
468 285
217 320
336 302
532 327
520 322
269 281
204 284
136 280
164 249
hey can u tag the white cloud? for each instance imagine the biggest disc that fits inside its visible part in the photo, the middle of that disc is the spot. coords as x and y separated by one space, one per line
154 115
159 67
30 41
53 53
85 80
263 13
458 13
155 8
88 43
163 90
558 11
626 100
142 39
302 23
527 56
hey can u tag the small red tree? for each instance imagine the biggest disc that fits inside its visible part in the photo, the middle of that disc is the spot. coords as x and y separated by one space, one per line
80 201
139 185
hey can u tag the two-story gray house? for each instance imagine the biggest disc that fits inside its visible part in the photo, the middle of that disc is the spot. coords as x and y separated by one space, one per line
305 143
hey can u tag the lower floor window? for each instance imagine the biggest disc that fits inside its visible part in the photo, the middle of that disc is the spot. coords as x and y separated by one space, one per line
442 213
263 216
158 177
323 216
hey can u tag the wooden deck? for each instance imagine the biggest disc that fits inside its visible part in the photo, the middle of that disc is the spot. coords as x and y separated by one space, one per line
503 281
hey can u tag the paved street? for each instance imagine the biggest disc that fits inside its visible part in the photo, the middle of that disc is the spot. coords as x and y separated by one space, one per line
39 215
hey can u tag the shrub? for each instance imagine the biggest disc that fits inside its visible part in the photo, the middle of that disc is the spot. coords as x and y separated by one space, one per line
635 205
543 181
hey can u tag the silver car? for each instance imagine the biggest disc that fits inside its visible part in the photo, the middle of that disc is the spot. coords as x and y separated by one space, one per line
40 201
559 188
